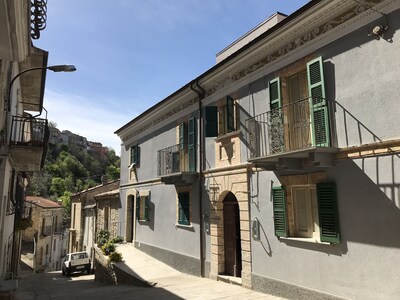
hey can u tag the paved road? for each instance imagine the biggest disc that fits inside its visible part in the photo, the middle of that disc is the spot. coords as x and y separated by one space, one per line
170 284
54 286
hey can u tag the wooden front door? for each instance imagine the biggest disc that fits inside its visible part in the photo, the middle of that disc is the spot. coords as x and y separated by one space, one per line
233 254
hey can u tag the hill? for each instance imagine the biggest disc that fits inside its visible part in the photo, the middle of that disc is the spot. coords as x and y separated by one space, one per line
72 164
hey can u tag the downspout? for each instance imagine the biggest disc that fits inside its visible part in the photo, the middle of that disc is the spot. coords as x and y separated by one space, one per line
195 87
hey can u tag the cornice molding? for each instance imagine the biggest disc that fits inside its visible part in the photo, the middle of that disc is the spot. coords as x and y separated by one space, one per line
314 28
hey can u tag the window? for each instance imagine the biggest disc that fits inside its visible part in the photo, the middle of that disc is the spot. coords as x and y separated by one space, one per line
55 224
106 218
135 155
186 160
222 119
143 206
313 209
74 216
298 107
184 208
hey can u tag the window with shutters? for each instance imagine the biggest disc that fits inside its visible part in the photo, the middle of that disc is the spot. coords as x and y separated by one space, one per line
143 206
185 158
183 208
298 116
222 119
135 155
306 212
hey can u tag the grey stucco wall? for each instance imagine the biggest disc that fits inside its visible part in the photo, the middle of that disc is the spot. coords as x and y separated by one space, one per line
363 75
161 232
361 266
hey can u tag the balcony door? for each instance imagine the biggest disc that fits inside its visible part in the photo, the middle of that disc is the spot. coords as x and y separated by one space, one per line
298 112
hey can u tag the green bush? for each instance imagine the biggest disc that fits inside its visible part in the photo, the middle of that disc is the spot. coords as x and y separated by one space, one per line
117 240
102 237
114 257
108 248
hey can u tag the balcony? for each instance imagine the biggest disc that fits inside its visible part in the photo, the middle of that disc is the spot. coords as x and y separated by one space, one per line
177 165
28 143
292 137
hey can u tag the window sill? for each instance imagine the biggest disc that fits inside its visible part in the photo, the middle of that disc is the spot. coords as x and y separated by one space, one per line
229 136
177 225
306 240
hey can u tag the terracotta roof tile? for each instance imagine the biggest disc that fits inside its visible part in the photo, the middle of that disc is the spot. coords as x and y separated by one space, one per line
42 202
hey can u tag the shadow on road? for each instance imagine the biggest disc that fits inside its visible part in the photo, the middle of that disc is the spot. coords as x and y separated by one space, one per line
54 285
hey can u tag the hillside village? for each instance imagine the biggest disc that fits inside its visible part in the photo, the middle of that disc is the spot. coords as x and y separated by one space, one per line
276 170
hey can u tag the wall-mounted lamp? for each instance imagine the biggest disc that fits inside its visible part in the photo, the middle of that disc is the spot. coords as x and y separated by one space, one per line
255 229
378 31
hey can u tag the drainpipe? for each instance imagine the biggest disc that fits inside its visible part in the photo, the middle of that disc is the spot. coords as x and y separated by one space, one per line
195 87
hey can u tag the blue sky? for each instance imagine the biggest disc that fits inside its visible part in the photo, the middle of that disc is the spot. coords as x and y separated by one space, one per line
131 54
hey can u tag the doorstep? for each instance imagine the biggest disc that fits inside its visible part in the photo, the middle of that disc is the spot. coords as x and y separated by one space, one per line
230 279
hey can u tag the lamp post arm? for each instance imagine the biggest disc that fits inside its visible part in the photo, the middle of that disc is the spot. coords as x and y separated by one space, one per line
12 81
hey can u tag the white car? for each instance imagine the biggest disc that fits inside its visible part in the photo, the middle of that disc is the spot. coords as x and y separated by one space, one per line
76 262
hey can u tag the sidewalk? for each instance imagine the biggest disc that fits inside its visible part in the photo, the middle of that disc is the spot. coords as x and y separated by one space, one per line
183 286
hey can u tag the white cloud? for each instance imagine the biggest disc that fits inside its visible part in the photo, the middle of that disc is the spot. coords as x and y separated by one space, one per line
86 117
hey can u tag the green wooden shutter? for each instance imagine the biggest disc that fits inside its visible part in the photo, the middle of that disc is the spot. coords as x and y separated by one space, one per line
275 100
138 207
279 204
184 209
211 113
135 154
328 212
181 136
146 208
230 114
132 155
318 105
192 144
276 130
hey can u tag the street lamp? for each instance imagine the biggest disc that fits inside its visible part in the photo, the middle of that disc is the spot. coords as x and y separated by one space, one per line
56 68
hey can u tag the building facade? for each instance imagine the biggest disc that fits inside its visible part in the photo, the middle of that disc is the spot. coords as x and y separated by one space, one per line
47 234
278 168
23 131
89 209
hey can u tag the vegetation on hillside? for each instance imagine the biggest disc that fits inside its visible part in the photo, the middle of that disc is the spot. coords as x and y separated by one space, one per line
70 169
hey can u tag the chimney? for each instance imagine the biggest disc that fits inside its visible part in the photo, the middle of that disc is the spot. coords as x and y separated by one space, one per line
104 179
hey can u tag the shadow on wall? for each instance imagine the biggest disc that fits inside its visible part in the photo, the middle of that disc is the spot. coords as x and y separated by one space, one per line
369 205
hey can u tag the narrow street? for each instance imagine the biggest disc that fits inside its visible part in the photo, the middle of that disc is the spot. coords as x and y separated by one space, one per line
53 285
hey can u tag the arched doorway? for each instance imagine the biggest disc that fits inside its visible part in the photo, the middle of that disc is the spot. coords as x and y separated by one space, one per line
232 245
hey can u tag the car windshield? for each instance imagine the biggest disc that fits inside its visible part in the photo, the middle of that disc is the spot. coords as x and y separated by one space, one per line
79 255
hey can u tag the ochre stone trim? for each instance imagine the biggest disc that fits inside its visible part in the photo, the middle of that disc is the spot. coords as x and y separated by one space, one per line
235 182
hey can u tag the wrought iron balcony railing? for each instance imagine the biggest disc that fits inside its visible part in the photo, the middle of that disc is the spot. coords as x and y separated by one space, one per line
296 126
175 159
170 160
29 131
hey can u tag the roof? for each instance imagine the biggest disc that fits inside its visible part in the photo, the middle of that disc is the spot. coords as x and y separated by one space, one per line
109 193
221 64
42 202
94 187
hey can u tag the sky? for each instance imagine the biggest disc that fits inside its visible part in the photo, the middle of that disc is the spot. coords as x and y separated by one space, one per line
131 54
